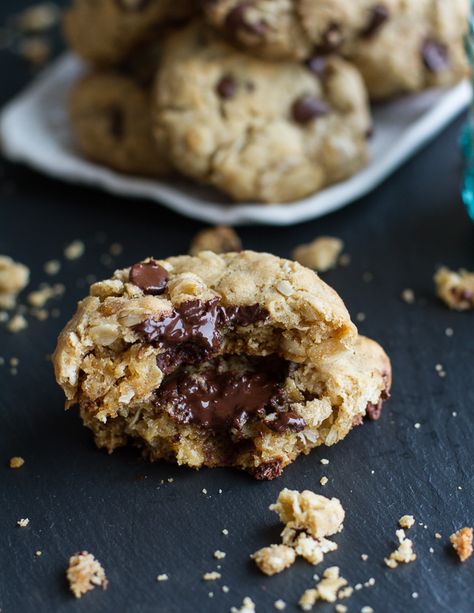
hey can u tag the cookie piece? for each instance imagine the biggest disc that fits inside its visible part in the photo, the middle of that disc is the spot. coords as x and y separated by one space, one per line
106 32
297 29
202 360
422 46
257 130
111 122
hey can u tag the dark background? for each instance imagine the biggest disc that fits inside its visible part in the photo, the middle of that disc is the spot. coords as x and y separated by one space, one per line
117 507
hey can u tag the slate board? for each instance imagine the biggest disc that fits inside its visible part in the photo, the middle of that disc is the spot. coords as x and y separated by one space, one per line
117 507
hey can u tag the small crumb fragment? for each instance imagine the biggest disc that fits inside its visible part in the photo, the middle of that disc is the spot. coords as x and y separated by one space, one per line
280 605
361 317
274 559
162 577
22 523
225 532
417 426
204 491
248 606
324 461
437 535
16 462
219 555
364 557
345 260
449 332
340 608
219 239
456 289
403 554
408 296
74 250
328 589
52 267
211 576
38 17
40 297
17 323
38 553
13 278
462 543
406 521
414 595
35 49
115 249
366 609
84 573
225 589
320 255
323 480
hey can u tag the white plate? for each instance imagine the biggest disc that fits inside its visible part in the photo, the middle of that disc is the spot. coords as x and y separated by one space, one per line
34 130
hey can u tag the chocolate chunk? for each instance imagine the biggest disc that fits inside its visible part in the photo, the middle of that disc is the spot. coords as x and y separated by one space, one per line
268 470
317 65
116 122
238 19
435 55
379 14
227 87
307 108
150 277
132 5
289 421
221 400
331 40
192 332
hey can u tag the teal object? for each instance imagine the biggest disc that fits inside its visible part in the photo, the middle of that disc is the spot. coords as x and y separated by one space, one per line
467 136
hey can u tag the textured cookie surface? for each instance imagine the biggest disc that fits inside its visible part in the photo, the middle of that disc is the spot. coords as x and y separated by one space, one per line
105 32
238 359
111 120
258 130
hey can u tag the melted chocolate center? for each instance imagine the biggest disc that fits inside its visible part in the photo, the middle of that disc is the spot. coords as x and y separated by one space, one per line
223 400
193 331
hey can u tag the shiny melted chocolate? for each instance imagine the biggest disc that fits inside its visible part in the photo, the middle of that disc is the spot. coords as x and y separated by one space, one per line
226 400
192 333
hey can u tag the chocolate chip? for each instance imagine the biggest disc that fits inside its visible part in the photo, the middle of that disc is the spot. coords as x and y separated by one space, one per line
268 470
317 65
379 14
307 108
227 87
116 122
237 19
331 40
435 55
150 277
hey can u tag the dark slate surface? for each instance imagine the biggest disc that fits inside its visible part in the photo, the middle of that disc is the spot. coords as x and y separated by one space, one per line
118 507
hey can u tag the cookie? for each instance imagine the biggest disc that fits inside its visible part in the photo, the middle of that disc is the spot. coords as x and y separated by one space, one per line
297 29
421 47
111 122
240 359
105 32
258 130
398 45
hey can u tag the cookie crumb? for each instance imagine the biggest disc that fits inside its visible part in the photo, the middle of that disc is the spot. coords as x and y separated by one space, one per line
328 589
321 255
38 17
219 555
40 297
437 535
280 605
361 317
16 462
449 332
366 609
74 250
225 589
324 461
22 523
52 267
248 606
219 239
462 543
455 289
323 481
414 595
274 559
17 323
408 296
345 260
403 554
340 608
14 277
417 426
364 557
162 577
225 532
406 521
84 573
35 49
211 576
38 553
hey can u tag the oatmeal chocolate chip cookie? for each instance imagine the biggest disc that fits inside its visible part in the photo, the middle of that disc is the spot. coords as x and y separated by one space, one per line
298 29
420 47
105 32
258 130
241 359
111 121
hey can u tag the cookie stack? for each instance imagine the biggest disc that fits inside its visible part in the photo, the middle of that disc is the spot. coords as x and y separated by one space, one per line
266 100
